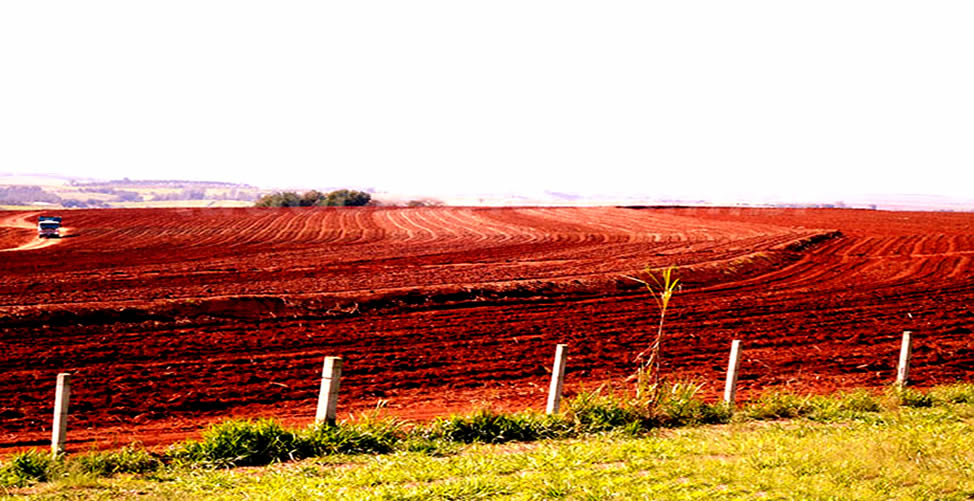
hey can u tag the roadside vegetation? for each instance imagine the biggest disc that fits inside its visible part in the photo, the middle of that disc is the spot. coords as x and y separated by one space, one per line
903 443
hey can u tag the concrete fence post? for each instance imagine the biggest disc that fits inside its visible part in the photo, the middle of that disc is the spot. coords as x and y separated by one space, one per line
60 426
331 375
557 380
730 387
906 353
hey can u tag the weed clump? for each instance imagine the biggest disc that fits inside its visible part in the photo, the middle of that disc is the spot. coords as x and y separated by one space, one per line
962 393
778 405
844 406
491 427
369 436
240 443
678 404
665 405
26 468
129 459
595 411
908 397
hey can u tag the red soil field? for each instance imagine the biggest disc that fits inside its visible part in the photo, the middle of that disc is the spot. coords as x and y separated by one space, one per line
170 319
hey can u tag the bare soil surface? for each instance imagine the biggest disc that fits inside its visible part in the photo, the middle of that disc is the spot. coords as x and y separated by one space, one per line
170 319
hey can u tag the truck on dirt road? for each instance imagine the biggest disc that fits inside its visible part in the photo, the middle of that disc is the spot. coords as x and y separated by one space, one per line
49 227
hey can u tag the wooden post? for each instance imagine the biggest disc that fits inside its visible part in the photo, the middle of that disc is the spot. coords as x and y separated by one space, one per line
906 353
60 427
557 380
331 375
730 387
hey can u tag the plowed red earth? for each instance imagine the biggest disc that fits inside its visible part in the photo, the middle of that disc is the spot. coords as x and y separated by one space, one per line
170 319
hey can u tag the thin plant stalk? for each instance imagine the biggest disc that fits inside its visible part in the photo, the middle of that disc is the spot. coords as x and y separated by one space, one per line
648 373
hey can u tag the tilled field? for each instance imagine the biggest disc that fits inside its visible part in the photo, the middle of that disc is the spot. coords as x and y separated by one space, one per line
172 318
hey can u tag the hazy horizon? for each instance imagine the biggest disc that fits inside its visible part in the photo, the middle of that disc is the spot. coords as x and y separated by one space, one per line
894 201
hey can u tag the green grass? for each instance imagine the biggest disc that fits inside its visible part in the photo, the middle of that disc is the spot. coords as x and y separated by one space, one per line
859 445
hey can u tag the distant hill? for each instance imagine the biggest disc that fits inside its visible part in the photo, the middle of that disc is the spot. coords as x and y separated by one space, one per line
50 190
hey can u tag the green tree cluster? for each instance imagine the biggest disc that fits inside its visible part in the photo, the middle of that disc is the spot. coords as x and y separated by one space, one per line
315 198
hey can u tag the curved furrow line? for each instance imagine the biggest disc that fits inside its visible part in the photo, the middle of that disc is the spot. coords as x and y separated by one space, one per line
922 273
362 219
400 231
296 226
962 268
265 231
329 228
610 233
908 246
591 228
435 218
860 243
526 231
932 245
244 228
965 242
566 231
883 249
464 225
374 234
309 217
952 243
426 235
500 232
350 230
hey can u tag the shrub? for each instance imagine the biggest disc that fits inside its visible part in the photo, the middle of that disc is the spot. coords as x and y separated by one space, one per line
346 198
240 443
337 198
282 199
311 198
25 468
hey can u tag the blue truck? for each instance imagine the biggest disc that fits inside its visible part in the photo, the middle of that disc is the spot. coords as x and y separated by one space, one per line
49 227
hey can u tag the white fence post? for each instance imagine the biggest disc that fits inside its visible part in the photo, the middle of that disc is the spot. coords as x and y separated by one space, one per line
60 426
730 387
906 353
557 380
331 375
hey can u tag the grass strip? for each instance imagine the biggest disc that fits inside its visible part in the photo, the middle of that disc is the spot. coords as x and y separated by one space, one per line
916 444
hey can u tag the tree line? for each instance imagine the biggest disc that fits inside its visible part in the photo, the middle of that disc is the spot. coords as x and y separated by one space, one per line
315 198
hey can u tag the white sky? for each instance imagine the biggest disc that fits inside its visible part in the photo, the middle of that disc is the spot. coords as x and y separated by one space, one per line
680 98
